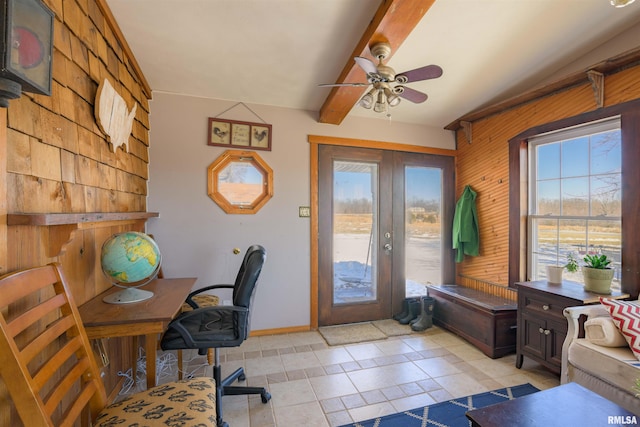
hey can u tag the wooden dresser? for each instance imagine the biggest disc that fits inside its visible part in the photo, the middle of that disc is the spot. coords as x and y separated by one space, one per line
542 328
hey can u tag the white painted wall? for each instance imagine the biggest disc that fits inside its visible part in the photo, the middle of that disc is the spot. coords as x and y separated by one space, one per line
197 238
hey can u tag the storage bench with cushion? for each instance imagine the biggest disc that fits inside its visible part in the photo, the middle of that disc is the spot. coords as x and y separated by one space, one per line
487 321
597 356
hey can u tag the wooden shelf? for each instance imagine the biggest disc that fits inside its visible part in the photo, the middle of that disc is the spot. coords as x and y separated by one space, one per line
75 218
61 226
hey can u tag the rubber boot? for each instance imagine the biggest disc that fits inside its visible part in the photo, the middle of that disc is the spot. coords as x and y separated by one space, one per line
422 310
425 320
414 310
405 309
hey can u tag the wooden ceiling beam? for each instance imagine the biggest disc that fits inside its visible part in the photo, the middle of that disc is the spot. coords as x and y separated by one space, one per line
393 22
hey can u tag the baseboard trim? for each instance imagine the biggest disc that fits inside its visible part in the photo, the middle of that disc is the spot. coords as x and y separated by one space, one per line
280 331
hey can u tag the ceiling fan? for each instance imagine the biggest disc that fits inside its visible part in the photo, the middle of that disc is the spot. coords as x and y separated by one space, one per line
381 77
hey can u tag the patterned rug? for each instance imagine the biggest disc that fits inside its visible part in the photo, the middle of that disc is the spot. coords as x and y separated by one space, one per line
447 414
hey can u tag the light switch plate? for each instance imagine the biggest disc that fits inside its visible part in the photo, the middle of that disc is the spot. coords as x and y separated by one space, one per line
304 211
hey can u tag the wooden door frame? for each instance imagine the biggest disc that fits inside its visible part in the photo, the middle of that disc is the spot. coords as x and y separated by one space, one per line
314 142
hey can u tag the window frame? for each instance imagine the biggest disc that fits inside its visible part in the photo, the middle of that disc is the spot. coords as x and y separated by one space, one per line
629 113
558 137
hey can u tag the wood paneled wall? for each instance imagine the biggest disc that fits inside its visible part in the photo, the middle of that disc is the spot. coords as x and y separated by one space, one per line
483 161
58 160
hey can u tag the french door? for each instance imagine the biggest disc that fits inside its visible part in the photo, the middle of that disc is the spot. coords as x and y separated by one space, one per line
384 222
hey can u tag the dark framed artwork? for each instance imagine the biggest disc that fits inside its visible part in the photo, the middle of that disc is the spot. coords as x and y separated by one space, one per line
233 133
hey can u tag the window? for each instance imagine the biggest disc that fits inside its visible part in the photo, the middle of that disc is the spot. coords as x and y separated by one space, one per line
575 197
240 182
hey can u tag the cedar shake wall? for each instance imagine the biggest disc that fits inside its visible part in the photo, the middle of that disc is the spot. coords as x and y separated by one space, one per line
57 160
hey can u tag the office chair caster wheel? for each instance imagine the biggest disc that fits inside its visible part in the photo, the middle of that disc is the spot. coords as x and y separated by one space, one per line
265 396
242 377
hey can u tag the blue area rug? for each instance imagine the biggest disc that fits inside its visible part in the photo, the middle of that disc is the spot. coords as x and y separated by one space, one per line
447 414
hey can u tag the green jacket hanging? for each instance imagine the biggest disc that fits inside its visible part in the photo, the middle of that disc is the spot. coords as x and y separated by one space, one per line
466 232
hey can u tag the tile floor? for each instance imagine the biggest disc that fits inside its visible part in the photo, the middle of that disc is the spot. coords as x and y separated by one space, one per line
313 384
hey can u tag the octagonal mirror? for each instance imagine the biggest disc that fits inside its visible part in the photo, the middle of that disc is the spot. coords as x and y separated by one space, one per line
240 182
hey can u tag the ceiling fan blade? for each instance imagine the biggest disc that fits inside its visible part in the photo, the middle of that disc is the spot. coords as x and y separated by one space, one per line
367 65
409 94
343 84
423 73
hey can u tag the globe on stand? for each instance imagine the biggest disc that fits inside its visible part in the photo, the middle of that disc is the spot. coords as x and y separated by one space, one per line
130 260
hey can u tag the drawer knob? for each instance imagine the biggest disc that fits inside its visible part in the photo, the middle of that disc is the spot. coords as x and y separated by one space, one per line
545 307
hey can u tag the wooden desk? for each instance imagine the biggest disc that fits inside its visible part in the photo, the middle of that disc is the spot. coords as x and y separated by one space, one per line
567 405
148 318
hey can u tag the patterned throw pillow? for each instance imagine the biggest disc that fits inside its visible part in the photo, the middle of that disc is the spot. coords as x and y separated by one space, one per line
626 315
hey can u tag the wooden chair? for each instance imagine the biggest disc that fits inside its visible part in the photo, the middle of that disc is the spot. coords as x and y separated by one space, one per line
49 368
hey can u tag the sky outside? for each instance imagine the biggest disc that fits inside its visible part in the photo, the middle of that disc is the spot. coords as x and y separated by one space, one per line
564 167
421 183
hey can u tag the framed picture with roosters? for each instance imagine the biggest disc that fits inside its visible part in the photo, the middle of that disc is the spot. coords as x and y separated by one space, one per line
233 133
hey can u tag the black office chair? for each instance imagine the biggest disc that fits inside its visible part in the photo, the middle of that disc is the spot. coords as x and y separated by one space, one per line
221 326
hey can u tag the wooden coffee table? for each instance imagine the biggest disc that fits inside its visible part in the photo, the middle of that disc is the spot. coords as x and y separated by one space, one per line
567 405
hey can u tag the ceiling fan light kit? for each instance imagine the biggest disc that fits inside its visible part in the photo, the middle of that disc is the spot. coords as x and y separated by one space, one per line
392 98
382 95
368 99
381 105
621 3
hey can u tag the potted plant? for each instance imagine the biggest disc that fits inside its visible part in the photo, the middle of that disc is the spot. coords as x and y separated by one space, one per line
597 273
554 272
572 263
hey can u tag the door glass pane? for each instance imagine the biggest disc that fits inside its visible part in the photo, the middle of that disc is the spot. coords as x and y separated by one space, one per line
423 241
355 219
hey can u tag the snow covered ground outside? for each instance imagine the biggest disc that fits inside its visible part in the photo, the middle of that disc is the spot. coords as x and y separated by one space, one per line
353 266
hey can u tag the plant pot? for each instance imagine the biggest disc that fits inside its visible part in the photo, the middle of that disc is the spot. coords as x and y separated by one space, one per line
597 280
554 273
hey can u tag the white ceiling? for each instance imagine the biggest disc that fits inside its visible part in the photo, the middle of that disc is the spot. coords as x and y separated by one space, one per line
276 52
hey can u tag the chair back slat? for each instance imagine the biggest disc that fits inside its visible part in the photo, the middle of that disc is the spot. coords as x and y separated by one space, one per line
17 287
15 375
45 339
32 316
62 388
56 362
75 410
46 360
